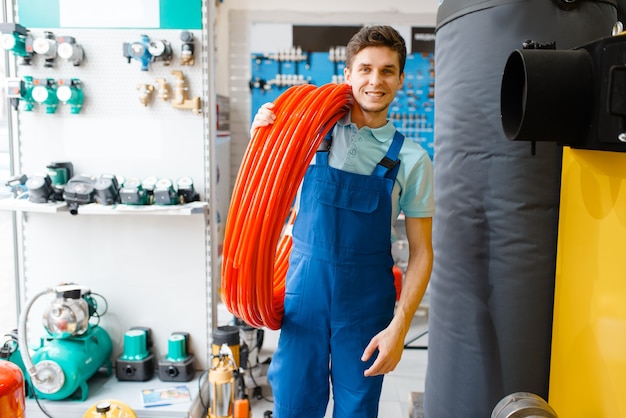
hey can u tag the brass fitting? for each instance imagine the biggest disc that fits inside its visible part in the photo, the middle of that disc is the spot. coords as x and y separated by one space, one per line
163 91
180 99
145 93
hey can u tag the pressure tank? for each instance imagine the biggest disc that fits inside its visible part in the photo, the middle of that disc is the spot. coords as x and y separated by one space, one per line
12 403
68 363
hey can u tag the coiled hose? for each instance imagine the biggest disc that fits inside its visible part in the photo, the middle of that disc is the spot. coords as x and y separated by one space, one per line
256 247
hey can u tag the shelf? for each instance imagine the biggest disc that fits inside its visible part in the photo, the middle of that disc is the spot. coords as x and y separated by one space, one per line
108 387
22 205
19 205
192 208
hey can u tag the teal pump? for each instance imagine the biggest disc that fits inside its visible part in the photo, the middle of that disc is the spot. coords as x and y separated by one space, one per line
74 349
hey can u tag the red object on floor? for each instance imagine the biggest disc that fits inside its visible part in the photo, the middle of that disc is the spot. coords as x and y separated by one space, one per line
397 280
12 403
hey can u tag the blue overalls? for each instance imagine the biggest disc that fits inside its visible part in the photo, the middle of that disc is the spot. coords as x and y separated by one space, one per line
339 291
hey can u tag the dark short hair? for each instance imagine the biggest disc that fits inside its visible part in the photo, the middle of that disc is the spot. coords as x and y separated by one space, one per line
376 36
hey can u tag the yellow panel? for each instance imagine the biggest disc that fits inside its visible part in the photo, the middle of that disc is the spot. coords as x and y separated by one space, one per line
588 369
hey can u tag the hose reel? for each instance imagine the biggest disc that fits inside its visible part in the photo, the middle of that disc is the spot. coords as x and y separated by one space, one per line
256 250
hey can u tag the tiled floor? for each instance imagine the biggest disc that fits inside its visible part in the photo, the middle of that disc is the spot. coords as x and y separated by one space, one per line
408 377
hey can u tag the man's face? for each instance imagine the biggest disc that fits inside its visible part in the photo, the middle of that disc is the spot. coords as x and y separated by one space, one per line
374 77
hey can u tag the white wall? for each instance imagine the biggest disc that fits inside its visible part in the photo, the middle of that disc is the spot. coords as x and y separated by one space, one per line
413 12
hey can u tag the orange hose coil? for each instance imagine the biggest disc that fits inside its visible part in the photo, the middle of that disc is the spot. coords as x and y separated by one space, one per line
256 247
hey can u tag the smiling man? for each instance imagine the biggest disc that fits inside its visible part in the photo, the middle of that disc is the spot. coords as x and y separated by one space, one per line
340 324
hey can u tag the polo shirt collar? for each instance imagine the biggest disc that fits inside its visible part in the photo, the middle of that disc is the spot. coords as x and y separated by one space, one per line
382 134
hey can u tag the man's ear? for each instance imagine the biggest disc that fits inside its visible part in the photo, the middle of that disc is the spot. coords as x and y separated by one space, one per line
346 75
401 83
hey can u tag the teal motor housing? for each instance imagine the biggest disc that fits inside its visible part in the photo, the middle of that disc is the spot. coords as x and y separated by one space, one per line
137 362
177 365
70 362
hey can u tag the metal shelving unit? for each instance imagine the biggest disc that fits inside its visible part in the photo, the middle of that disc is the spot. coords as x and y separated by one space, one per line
155 265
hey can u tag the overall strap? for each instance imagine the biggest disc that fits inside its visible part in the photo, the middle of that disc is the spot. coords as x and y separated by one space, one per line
321 156
327 141
390 160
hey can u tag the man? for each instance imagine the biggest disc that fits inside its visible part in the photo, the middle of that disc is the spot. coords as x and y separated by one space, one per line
339 321
495 232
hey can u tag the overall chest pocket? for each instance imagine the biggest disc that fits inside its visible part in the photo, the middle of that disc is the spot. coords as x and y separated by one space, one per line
346 196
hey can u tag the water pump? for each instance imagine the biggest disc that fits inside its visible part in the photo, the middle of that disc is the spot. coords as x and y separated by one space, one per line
74 350
17 39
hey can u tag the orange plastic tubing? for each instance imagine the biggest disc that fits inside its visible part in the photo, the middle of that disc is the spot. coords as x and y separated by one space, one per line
257 243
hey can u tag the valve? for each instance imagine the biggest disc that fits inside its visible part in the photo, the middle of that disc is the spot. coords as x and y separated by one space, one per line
70 92
163 91
145 93
46 46
44 92
17 39
70 51
187 48
181 100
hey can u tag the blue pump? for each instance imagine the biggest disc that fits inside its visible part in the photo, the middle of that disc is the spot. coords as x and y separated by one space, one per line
139 50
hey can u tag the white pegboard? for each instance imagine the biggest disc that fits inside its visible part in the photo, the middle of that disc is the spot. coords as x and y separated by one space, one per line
114 132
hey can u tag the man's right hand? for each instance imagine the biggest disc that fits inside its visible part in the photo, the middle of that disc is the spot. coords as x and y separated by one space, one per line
264 117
